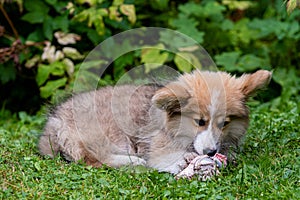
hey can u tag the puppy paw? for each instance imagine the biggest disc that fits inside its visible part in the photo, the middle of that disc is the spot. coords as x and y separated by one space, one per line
137 161
188 157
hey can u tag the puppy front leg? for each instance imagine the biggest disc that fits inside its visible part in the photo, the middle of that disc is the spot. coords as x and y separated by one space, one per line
115 160
171 162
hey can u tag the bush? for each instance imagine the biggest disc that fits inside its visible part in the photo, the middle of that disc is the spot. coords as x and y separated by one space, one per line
43 43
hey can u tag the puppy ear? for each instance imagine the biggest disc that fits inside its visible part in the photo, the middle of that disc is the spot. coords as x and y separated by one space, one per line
171 97
253 82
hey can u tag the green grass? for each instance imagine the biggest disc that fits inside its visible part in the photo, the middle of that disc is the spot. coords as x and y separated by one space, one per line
267 167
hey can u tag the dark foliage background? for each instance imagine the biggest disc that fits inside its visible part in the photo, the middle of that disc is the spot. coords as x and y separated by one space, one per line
43 42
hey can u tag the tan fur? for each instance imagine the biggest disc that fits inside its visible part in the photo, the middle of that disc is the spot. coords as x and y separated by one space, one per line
153 126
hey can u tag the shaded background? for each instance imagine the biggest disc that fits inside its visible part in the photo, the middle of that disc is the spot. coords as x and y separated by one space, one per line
43 42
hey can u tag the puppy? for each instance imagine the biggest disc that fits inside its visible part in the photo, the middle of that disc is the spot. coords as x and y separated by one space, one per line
159 127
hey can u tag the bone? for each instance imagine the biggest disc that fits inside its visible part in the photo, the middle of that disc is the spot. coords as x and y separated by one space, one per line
204 167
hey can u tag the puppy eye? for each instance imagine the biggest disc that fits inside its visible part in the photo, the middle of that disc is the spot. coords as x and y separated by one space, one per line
200 122
226 123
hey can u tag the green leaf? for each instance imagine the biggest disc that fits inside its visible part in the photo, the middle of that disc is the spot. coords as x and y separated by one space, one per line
51 2
34 17
167 38
250 62
51 86
182 64
94 17
209 9
97 19
69 66
124 60
32 61
272 26
228 60
57 68
238 5
61 22
36 36
8 72
60 7
232 61
48 28
129 11
242 32
36 5
160 4
293 31
82 16
121 63
37 11
99 25
213 10
92 64
114 13
117 2
44 71
93 36
187 26
184 21
72 53
186 61
89 2
85 81
191 8
153 57
43 74
227 25
193 33
291 5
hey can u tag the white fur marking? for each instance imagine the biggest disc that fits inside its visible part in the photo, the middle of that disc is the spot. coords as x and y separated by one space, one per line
204 140
207 140
214 104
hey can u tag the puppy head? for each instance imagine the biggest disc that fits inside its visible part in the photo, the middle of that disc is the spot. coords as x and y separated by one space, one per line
208 109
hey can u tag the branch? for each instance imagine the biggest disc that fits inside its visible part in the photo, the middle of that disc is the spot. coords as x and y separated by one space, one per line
9 21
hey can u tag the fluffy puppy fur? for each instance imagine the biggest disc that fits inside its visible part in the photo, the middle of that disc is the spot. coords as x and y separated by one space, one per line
159 127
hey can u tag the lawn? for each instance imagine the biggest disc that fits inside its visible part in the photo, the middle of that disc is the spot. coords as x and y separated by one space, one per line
268 166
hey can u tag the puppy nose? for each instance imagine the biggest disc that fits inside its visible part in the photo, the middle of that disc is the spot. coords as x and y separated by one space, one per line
210 152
